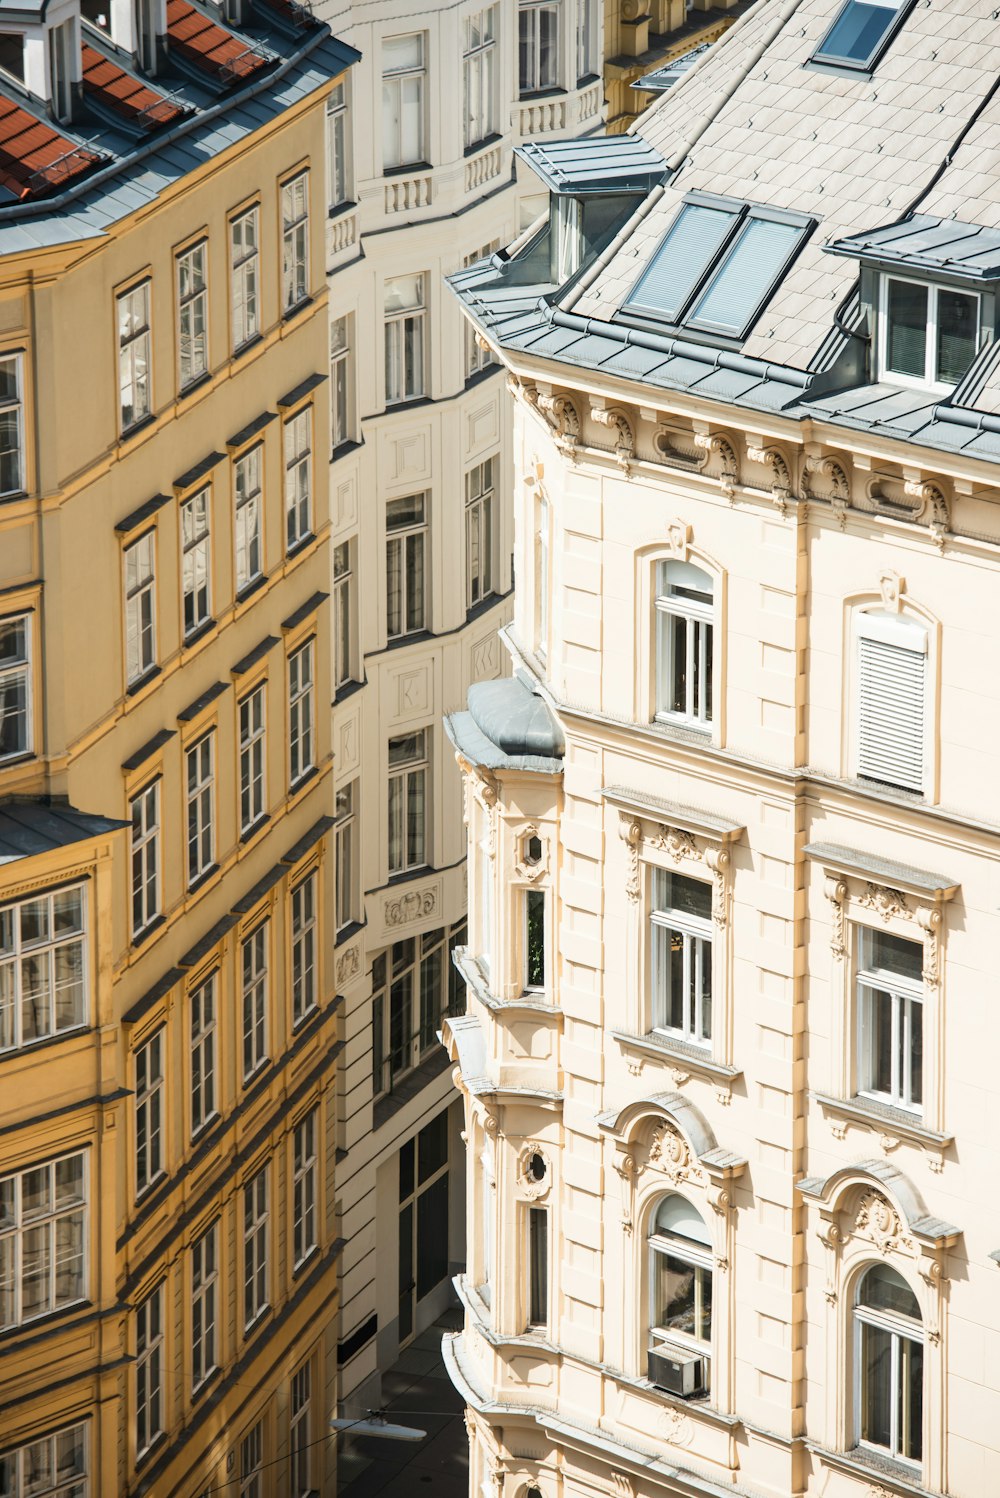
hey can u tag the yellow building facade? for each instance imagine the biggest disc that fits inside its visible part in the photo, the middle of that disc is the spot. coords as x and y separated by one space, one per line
168 1024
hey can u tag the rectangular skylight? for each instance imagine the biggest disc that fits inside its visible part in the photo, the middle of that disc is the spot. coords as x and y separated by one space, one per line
861 32
685 254
747 272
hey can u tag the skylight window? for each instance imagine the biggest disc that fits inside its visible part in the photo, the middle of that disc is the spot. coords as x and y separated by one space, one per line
861 33
717 266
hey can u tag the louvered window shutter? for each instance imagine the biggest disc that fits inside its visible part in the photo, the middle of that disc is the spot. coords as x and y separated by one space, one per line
892 668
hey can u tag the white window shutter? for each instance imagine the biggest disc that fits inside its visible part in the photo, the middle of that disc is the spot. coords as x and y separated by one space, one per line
891 689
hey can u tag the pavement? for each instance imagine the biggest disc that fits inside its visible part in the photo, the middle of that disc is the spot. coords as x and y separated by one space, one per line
416 1391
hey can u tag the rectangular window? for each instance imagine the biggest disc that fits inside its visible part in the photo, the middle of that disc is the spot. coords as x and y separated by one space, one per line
304 949
410 1001
346 856
253 727
684 610
408 802
16 737
43 1223
479 493
534 939
343 615
681 956
338 145
302 754
11 425
300 1433
149 1113
200 808
892 674
479 63
861 32
477 357
134 356
538 1266
140 607
405 565
252 1462
203 1055
930 334
295 241
192 313
584 39
55 1466
196 563
405 312
61 42
298 471
542 580
538 45
890 1017
204 1290
149 1371
341 397
244 238
249 517
305 1180
403 101
145 809
255 1235
254 988
43 988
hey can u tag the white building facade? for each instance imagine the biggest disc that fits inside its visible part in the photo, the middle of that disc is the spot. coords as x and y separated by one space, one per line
421 183
727 1058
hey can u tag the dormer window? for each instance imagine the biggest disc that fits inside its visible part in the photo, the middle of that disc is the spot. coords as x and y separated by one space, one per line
63 46
861 32
929 335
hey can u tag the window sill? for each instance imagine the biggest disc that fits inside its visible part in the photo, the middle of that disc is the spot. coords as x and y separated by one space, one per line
476 979
143 1456
127 433
43 1042
482 145
411 403
531 95
345 448
251 343
150 1189
197 635
135 688
193 385
416 637
296 787
299 546
687 725
345 690
245 594
197 885
406 168
866 1465
23 757
674 1051
43 1323
883 1118
306 1262
337 210
206 1384
346 932
491 367
408 1086
140 937
249 833
289 313
297 1024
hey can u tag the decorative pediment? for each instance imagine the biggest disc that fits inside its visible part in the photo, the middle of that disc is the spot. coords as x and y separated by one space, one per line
677 1136
883 1206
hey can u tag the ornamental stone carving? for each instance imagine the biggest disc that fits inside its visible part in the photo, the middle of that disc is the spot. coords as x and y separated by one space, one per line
679 540
677 843
837 482
619 423
891 588
885 901
563 418
348 964
836 892
532 1181
630 832
878 1221
719 860
621 1486
773 459
669 1153
412 906
677 1426
715 445
934 509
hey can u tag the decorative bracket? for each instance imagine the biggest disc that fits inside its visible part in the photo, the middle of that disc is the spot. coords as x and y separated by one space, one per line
835 474
564 419
625 438
774 460
715 445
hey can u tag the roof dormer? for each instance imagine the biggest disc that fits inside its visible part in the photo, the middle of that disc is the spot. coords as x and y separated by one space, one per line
40 47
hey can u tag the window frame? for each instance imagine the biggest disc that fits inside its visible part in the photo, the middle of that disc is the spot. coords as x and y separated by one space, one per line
481 512
540 81
305 1188
342 425
196 551
479 72
76 1209
128 345
874 57
900 1328
23 668
404 541
903 993
304 947
199 802
345 831
338 141
694 1255
48 947
192 307
145 629
252 1462
252 752
295 229
405 328
62 1481
149 1397
343 615
302 723
900 632
393 80
15 404
416 850
244 279
204 1299
692 929
149 1113
930 382
255 1237
255 986
151 907
203 1040
700 640
248 509
297 452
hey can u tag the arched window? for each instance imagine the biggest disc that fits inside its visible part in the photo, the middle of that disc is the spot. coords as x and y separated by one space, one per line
680 1297
890 1365
684 608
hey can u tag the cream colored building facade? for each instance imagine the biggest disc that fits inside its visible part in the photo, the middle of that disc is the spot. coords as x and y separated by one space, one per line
727 1058
168 1026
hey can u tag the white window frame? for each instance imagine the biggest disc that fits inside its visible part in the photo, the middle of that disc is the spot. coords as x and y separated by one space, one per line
697 1256
479 76
199 767
671 613
305 1187
346 852
135 355
253 757
585 34
930 381
403 778
535 1214
204 1306
697 947
304 947
12 424
341 383
144 807
21 949
66 1218
399 149
295 241
878 742
904 996
477 357
542 579
192 315
535 79
343 614
899 1328
301 714
150 1123
256 1232
203 1002
252 1462
406 555
338 141
300 1432
196 562
254 987
297 446
64 1455
17 678
480 519
248 498
149 1393
405 343
244 279
139 585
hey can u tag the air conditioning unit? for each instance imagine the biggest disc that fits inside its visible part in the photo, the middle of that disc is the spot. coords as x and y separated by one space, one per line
678 1372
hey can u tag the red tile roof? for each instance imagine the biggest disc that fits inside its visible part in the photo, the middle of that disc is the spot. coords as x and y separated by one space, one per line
34 158
124 94
210 47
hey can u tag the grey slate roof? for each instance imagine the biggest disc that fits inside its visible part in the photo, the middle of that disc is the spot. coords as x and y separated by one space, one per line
507 727
608 163
28 828
902 166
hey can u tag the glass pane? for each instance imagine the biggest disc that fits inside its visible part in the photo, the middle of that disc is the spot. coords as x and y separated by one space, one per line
673 1294
883 1289
884 953
958 334
535 939
913 1065
747 274
906 330
855 35
685 896
432 1236
432 1147
876 1386
911 1399
695 236
538 1267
